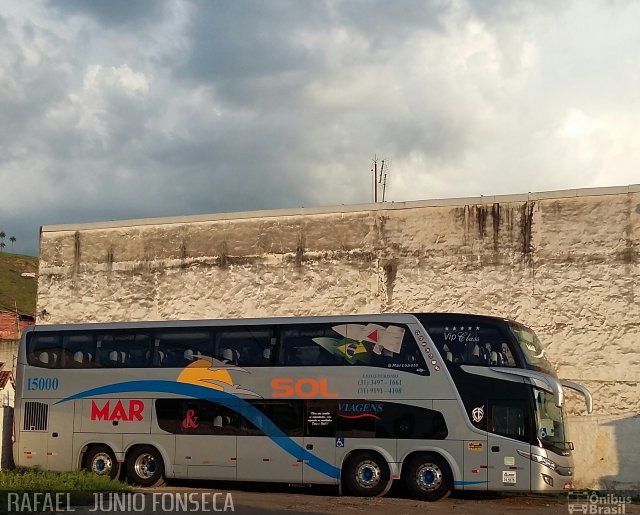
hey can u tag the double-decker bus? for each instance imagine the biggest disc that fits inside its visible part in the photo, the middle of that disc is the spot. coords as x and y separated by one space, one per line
438 401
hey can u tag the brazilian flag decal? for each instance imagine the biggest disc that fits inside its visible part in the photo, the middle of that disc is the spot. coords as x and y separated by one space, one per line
348 349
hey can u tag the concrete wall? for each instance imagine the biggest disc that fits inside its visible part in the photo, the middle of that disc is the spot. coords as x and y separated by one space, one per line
8 355
565 263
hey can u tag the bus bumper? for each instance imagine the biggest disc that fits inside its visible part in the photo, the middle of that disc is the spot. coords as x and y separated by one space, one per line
546 480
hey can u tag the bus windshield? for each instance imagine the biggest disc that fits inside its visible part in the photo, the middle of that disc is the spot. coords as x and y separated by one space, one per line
534 354
550 425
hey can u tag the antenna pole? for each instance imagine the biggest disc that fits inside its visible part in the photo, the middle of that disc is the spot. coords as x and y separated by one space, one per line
375 179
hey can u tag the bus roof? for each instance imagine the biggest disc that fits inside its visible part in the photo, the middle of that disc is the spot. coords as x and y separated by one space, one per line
159 324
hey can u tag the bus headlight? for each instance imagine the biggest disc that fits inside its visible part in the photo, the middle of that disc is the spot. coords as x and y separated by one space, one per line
539 459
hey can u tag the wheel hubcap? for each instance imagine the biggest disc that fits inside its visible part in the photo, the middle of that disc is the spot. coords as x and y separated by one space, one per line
145 465
368 474
101 464
429 477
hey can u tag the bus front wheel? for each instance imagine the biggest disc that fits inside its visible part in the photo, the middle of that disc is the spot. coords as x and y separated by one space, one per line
428 477
145 467
366 474
101 461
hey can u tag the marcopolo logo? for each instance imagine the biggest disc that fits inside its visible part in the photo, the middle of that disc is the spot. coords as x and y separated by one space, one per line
133 411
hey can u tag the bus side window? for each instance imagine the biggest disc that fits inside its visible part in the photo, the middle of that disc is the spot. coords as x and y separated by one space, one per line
44 350
463 342
244 347
180 348
298 347
79 351
200 417
320 417
409 358
286 415
124 349
508 420
500 355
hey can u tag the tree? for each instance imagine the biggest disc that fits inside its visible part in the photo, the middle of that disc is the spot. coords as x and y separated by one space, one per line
2 235
12 240
2 245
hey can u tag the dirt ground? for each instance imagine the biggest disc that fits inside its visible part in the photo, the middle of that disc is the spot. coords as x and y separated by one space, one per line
271 500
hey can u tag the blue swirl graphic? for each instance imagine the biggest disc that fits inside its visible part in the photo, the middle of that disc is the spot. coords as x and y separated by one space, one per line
230 401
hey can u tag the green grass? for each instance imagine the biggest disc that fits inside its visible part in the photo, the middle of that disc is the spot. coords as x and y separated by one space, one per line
79 485
15 289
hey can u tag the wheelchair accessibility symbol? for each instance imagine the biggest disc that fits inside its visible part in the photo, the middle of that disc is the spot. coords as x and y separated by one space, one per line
340 441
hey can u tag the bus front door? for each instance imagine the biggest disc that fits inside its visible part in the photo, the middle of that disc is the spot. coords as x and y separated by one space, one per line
508 470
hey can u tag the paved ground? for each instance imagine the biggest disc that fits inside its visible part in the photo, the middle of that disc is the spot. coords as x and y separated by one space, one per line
200 499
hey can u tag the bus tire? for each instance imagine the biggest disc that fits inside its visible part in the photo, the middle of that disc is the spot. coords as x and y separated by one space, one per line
366 474
145 466
101 460
428 477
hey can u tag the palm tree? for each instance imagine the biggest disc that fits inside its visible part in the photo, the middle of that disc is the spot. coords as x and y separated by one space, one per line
2 246
12 240
2 236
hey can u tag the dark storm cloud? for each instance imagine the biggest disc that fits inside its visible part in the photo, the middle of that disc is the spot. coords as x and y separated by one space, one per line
234 40
29 86
115 110
492 10
113 12
384 23
235 44
234 165
262 58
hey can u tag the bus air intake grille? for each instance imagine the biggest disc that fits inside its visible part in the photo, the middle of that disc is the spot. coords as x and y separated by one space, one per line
36 415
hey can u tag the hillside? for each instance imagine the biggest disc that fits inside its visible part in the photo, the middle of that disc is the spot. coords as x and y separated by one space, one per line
15 289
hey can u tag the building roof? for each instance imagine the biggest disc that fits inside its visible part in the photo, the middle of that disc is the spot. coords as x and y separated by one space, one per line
21 315
380 206
6 377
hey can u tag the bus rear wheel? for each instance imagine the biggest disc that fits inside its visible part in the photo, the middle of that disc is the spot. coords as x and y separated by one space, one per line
101 461
428 477
366 474
145 467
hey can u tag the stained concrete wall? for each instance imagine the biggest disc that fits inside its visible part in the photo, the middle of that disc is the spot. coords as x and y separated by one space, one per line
564 263
8 355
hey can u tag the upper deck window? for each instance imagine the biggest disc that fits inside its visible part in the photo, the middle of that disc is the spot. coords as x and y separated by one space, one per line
79 351
44 350
181 347
534 353
385 346
245 346
469 342
390 346
124 349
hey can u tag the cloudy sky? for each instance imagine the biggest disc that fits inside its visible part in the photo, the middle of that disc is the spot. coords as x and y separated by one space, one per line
123 109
